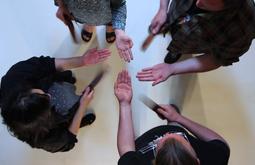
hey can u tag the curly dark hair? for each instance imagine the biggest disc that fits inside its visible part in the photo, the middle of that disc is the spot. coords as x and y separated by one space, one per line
27 115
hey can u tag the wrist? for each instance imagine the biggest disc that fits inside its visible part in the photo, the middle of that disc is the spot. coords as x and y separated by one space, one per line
119 32
83 59
162 9
173 68
124 104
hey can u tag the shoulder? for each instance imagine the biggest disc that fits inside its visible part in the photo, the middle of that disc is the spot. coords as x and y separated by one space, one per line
131 157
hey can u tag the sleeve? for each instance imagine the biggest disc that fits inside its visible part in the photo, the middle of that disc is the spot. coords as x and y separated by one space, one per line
211 152
27 72
229 53
59 140
119 14
222 149
35 67
131 157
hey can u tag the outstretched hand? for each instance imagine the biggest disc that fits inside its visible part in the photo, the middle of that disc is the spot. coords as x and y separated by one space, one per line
157 73
94 56
123 87
124 45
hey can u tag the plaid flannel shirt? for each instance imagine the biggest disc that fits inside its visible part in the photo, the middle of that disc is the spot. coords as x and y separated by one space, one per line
226 34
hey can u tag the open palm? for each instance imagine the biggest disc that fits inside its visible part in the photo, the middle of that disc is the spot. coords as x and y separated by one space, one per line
123 87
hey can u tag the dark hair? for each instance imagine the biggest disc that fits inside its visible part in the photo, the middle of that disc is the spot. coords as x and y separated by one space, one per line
27 115
174 153
230 4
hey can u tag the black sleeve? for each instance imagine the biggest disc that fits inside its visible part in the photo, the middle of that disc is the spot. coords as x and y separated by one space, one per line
28 72
212 152
37 67
131 158
59 140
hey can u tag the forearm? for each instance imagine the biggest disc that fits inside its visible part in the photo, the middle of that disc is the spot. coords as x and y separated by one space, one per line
76 122
201 63
198 130
119 16
164 5
62 64
125 137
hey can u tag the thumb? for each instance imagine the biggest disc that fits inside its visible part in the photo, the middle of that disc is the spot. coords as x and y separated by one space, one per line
162 112
155 29
93 49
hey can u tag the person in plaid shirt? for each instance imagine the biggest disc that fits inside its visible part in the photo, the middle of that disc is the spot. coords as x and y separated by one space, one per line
220 31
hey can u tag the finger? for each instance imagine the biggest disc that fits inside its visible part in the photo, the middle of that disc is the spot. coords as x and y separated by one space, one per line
119 78
164 106
91 93
103 58
87 90
120 54
144 76
157 82
104 55
127 55
126 77
124 55
149 72
130 54
161 113
130 44
146 79
148 69
122 76
93 49
104 51
156 29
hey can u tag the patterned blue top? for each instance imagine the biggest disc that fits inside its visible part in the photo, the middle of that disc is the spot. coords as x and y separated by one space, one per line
98 12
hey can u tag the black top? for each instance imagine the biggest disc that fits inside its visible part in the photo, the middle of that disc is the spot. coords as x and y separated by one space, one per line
213 152
40 72
195 10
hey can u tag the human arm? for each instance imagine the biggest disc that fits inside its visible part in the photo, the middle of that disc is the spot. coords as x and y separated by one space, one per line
84 101
163 71
202 132
62 13
160 18
123 92
92 56
123 42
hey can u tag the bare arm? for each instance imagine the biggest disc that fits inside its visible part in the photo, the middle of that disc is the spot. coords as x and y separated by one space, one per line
123 92
164 5
76 122
163 71
201 63
125 139
90 57
198 130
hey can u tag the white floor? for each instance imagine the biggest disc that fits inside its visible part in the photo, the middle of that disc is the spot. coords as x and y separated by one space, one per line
223 100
